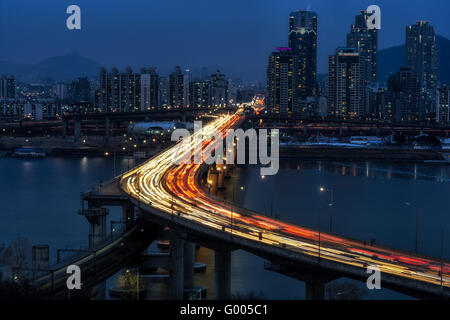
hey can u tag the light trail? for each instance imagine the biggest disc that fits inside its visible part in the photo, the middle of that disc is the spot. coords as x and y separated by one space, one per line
174 189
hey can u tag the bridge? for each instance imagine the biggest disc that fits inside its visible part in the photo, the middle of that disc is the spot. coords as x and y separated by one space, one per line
98 263
103 123
345 127
172 195
175 196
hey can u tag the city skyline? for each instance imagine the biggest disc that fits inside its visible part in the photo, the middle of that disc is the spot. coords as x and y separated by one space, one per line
224 151
351 90
246 46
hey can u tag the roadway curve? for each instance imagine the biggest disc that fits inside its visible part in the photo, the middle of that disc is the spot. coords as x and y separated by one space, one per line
175 188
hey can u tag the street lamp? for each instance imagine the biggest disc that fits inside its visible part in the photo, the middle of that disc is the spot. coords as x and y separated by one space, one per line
231 212
442 254
330 205
417 225
272 195
114 165
318 217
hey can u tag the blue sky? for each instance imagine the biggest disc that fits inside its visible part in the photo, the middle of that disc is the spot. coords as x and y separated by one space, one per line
236 35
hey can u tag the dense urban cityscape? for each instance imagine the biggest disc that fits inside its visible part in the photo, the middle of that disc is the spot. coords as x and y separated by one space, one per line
352 88
316 182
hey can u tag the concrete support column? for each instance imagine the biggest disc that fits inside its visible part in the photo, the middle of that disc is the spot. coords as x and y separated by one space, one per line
189 260
315 290
220 183
64 128
128 216
213 177
107 129
228 163
41 257
97 234
226 171
77 130
176 263
315 280
97 231
222 274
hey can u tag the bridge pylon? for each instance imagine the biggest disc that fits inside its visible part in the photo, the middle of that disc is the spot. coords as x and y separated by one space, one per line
176 263
96 217
222 274
314 279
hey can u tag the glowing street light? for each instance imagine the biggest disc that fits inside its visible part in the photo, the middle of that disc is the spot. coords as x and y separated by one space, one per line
330 205
417 225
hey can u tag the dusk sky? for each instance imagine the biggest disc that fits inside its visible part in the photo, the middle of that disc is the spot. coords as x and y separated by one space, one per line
236 35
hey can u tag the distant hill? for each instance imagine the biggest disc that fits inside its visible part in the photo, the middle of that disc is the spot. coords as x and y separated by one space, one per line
71 66
392 59
61 68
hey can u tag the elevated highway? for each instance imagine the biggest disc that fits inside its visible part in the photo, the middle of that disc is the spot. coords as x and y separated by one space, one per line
172 195
98 264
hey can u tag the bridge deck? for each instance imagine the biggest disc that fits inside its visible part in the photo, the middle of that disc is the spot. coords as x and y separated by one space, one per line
102 262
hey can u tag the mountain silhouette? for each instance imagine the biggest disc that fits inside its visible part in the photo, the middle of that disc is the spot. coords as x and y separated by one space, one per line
60 68
392 59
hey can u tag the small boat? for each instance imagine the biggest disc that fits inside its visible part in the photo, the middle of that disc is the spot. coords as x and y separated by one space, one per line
140 155
199 267
157 277
164 244
197 293
29 153
127 293
445 160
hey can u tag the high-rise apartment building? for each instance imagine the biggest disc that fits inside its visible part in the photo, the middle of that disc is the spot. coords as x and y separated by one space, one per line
303 42
200 94
150 92
366 41
346 84
7 88
443 105
421 57
403 95
119 92
281 81
178 89
219 90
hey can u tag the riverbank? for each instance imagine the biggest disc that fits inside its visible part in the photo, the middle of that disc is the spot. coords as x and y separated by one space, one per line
358 154
86 146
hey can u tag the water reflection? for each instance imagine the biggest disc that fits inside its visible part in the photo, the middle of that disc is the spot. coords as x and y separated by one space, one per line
415 171
369 199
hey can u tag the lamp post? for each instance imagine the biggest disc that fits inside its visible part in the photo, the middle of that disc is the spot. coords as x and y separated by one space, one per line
318 216
231 212
137 283
442 254
114 165
272 194
330 205
417 226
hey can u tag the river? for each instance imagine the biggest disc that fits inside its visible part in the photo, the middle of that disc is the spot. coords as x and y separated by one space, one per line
372 201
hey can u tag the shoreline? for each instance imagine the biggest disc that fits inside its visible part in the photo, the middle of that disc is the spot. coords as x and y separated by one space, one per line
362 154
67 147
